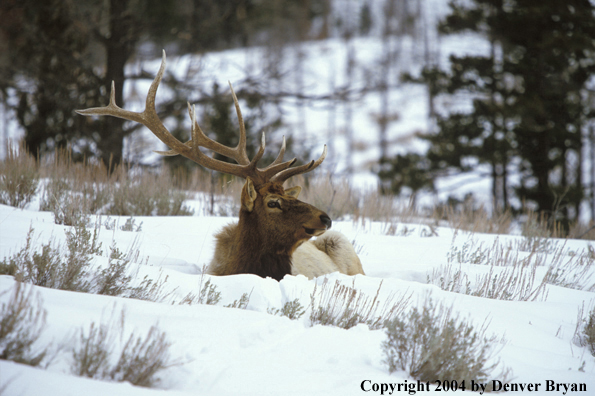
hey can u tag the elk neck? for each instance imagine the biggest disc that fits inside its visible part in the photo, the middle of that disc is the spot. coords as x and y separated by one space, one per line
259 252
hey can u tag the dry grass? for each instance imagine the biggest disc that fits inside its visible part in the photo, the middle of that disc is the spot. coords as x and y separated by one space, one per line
18 177
343 306
331 194
51 267
510 276
584 334
72 190
22 319
291 309
139 360
468 215
207 292
433 344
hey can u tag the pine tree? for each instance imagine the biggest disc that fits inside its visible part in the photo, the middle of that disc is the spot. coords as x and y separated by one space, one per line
552 51
527 100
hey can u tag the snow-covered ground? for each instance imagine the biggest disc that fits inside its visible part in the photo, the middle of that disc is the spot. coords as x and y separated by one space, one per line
230 351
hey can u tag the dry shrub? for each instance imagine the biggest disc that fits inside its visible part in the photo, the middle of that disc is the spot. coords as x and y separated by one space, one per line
572 269
584 334
207 292
241 303
509 277
22 320
18 177
432 344
329 193
49 268
139 359
74 271
343 306
291 309
516 280
468 216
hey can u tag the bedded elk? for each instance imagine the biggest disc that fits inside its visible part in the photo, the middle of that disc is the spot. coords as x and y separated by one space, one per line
272 235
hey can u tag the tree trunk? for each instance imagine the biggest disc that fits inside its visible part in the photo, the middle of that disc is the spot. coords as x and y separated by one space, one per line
119 47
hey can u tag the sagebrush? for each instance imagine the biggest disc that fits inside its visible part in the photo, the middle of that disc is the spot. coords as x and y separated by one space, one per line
19 178
511 276
74 270
22 319
431 343
291 309
100 353
584 334
344 306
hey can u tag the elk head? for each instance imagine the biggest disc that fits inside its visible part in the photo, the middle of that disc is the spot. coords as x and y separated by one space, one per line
280 215
272 220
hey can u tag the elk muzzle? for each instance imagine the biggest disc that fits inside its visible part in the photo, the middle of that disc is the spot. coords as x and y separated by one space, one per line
317 228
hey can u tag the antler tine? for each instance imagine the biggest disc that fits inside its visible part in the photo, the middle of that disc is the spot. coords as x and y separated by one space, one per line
259 154
287 173
242 142
278 171
148 117
279 158
278 165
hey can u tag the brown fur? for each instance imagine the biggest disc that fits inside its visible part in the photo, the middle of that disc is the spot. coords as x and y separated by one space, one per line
274 241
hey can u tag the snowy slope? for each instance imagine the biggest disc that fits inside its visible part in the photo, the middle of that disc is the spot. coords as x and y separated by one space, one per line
250 352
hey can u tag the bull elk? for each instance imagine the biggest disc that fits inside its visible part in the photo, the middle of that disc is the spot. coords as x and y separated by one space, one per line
272 235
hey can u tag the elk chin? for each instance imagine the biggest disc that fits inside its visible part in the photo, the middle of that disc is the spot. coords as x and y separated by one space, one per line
313 232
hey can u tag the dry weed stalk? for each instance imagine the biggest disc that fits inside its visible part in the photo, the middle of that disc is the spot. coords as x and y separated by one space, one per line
509 277
345 307
584 332
475 220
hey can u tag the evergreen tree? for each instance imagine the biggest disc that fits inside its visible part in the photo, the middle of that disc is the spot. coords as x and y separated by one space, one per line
55 48
527 100
62 55
553 51
42 42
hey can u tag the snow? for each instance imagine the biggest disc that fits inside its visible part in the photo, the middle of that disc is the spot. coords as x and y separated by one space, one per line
229 351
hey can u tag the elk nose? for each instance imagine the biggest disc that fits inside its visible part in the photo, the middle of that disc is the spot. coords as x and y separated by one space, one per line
326 221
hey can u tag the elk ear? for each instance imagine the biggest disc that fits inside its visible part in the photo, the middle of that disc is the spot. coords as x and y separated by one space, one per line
248 195
293 191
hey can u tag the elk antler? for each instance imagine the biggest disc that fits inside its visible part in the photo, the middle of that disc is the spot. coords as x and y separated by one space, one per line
277 171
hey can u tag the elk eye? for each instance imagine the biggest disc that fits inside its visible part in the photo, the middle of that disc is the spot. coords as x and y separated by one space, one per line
274 204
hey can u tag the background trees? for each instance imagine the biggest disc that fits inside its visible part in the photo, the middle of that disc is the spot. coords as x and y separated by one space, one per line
62 55
524 122
528 113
